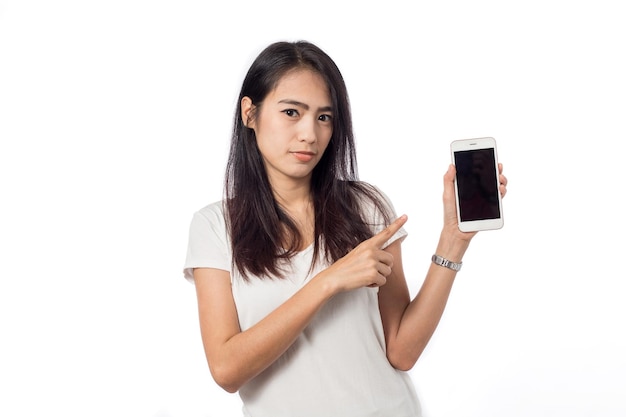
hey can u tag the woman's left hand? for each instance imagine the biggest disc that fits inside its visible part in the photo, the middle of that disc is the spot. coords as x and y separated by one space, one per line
450 222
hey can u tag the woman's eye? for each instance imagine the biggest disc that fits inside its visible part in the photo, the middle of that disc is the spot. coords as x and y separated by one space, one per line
291 112
325 118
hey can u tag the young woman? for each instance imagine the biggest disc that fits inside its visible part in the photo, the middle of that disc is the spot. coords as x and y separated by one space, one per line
303 304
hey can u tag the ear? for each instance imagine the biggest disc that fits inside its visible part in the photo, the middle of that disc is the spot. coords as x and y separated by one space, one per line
247 112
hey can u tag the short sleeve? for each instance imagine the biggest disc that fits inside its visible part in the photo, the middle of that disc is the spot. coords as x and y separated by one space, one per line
208 245
378 220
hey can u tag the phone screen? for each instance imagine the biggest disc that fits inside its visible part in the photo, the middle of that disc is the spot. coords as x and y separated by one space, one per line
477 184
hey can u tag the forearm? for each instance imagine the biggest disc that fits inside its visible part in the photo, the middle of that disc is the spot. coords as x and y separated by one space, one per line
423 314
410 325
248 353
235 357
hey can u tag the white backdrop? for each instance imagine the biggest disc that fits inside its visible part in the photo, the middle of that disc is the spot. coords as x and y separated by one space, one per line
114 127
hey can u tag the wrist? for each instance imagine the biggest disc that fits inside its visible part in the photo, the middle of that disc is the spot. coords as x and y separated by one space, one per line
327 286
451 248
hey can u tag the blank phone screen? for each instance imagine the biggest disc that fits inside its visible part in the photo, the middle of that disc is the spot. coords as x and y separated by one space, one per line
477 184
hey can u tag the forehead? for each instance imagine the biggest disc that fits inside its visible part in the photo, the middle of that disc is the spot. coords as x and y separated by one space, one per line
301 84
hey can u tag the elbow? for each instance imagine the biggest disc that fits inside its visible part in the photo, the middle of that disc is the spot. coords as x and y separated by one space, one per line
230 388
225 378
402 364
402 359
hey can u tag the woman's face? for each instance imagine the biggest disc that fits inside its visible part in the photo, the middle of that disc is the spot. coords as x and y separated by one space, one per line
293 126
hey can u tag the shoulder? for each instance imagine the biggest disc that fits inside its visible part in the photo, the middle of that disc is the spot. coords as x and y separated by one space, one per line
209 221
366 189
373 200
212 212
378 210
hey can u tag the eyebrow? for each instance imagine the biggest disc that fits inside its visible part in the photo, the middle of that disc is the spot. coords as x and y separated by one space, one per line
303 105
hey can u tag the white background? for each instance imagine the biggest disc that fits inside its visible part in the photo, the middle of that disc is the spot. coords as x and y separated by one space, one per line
114 126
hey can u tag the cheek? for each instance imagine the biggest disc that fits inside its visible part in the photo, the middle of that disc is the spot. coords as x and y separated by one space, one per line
265 147
325 141
273 132
270 142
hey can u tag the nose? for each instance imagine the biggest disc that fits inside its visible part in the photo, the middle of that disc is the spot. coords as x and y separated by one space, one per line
307 132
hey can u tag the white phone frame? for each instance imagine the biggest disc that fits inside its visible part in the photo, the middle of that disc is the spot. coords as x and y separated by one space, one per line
468 145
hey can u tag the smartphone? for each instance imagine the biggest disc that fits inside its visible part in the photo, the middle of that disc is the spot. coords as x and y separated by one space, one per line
478 199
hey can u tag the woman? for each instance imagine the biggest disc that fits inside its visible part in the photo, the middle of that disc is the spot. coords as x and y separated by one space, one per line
303 304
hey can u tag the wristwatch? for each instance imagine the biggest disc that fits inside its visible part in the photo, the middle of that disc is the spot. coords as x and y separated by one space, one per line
441 261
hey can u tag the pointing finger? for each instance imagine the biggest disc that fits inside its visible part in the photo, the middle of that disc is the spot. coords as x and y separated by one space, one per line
386 234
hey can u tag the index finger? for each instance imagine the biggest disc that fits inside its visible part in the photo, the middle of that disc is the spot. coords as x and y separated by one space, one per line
386 234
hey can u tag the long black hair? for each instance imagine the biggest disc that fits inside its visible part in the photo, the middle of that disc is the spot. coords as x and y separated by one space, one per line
262 233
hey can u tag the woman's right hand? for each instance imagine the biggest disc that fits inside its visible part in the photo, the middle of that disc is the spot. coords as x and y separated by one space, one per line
367 265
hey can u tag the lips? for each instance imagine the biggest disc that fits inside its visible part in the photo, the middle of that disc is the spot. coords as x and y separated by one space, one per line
303 156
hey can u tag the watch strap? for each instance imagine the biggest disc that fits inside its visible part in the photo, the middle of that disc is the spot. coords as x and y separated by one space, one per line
441 261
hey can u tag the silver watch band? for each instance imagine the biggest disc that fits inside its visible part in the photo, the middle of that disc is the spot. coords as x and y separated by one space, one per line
441 261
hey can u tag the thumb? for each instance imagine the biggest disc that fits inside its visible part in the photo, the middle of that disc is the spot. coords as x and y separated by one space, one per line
386 234
448 182
449 197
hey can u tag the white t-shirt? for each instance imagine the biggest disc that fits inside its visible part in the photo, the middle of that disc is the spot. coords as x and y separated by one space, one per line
337 367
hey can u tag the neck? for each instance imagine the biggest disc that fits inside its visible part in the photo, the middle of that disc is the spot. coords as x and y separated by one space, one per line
293 196
297 202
